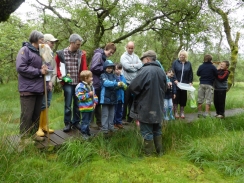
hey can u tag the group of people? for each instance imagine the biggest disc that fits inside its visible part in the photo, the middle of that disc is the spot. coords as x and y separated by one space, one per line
109 93
213 85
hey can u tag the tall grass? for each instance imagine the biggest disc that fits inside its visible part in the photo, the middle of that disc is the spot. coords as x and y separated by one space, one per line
211 142
207 150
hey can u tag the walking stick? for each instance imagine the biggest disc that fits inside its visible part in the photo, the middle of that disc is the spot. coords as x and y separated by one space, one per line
46 106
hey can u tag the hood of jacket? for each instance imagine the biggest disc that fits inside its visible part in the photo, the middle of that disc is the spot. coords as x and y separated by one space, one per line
31 47
101 51
108 63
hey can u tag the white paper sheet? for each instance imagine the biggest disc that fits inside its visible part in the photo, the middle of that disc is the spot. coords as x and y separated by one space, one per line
62 69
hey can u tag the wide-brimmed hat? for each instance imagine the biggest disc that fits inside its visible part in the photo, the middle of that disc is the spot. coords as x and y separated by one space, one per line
149 53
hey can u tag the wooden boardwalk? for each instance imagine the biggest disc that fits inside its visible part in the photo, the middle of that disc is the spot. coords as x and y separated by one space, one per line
55 139
59 137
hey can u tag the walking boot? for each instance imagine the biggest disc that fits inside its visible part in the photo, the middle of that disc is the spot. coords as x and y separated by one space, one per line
44 123
67 127
171 115
148 147
40 132
182 115
76 126
176 111
166 118
158 144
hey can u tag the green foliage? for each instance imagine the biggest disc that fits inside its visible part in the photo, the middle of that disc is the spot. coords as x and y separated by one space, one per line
78 151
13 33
225 152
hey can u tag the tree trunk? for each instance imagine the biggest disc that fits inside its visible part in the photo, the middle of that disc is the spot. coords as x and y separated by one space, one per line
8 7
232 44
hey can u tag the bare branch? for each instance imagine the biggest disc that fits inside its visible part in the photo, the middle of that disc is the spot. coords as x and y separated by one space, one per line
58 15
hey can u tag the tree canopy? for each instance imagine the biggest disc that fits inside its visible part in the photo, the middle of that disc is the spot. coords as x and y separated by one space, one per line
166 26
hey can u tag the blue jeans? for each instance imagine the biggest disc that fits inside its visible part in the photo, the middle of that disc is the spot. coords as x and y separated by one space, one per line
85 122
118 113
49 98
69 95
148 130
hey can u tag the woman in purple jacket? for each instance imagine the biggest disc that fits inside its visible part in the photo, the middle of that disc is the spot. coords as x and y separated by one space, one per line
96 67
30 84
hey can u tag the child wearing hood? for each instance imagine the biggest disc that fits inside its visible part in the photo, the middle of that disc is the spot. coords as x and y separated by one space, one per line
220 88
108 97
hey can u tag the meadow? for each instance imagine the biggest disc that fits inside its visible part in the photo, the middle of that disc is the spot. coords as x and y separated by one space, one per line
206 150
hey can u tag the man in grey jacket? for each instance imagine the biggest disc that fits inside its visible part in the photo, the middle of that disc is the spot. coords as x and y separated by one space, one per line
149 88
131 63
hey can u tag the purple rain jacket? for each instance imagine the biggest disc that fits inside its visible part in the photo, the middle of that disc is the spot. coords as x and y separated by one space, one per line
28 66
96 67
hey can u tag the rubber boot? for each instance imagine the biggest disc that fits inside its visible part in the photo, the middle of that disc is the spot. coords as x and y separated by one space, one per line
171 115
40 132
158 144
44 123
166 114
148 147
182 115
176 111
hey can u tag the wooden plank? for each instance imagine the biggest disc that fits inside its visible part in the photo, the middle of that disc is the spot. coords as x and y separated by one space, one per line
74 133
46 143
62 134
55 138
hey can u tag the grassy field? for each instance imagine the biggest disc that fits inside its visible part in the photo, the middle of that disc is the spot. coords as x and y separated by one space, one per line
208 150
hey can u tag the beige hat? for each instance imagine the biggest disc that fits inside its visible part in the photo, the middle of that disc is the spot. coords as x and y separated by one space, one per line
49 37
149 53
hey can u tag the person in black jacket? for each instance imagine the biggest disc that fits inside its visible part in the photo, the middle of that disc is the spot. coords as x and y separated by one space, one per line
220 88
207 72
148 88
183 74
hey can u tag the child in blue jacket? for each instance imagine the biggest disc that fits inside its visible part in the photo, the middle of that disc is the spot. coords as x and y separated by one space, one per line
118 113
108 99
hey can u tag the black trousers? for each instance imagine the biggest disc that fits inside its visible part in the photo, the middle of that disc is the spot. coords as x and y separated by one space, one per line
181 97
219 101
